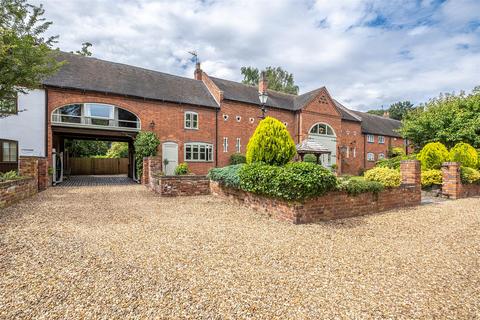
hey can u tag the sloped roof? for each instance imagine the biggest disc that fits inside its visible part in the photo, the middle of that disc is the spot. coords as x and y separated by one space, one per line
379 125
311 146
347 114
86 73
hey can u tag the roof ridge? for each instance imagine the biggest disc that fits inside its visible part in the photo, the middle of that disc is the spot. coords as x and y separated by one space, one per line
376 116
255 87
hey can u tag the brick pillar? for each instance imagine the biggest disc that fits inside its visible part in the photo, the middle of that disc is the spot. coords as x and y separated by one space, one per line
452 183
145 173
410 173
43 177
155 167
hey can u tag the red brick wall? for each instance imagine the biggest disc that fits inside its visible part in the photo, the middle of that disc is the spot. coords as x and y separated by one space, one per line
17 190
352 138
452 186
168 118
376 148
173 186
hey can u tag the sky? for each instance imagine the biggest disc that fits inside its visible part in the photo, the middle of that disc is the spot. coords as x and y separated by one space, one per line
367 53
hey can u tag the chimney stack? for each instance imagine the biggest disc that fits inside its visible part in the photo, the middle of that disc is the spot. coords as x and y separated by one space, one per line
198 72
263 83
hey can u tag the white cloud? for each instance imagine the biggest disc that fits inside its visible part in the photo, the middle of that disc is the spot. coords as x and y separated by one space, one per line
367 53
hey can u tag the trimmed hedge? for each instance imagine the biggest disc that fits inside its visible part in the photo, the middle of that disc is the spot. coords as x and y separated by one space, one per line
237 158
465 154
386 176
431 177
432 155
294 181
469 175
357 185
227 175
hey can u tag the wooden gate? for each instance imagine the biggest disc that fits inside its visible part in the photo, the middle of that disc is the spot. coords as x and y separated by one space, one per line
98 166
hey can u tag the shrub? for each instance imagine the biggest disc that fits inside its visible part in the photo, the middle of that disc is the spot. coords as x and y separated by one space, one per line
145 144
181 169
386 176
357 185
227 175
294 181
237 158
432 155
469 175
271 143
9 175
396 152
310 158
394 163
465 154
431 177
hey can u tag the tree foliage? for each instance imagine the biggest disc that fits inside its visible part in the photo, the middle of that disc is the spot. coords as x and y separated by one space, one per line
146 144
86 148
85 51
26 57
271 143
118 150
278 79
465 154
448 119
396 111
433 155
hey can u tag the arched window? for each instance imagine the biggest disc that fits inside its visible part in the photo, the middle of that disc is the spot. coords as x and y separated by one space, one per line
95 115
322 129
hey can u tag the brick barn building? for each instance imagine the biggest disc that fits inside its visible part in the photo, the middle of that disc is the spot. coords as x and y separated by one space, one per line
201 121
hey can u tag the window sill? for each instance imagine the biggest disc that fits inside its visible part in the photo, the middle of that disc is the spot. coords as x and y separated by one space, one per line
190 128
199 161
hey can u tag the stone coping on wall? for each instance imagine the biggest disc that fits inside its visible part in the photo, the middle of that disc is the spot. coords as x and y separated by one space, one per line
333 205
13 191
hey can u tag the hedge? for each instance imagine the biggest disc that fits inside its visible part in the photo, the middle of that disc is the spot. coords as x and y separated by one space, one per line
431 177
227 175
237 158
465 154
357 185
432 155
386 176
469 175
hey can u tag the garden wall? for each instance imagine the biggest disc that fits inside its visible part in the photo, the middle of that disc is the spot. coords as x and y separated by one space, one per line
452 186
334 205
16 190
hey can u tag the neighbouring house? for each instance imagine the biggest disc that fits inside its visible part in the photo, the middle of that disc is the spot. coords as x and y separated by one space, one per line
201 121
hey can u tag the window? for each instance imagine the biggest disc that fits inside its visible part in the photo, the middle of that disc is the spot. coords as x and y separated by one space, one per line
225 117
225 144
322 129
381 156
8 155
348 152
354 152
381 139
191 120
370 156
370 138
99 114
252 120
238 118
9 105
198 151
238 146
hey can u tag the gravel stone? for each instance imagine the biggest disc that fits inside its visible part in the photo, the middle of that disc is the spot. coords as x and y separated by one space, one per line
122 252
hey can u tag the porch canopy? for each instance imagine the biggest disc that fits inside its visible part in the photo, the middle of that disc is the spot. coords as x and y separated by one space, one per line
310 146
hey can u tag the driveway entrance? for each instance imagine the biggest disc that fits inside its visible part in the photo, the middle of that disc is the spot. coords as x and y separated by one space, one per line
87 181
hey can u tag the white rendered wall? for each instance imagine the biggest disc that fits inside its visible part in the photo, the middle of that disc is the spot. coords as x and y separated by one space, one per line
27 127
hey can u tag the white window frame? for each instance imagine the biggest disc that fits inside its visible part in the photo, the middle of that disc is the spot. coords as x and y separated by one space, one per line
207 147
348 152
370 138
381 139
381 156
238 146
225 144
354 152
370 156
327 126
192 115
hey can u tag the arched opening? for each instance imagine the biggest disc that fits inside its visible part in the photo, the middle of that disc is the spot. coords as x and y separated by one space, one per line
323 134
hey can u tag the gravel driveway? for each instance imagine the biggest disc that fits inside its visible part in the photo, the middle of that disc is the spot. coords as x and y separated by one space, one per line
121 252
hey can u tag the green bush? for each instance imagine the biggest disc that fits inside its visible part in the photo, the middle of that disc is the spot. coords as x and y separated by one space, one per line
181 169
432 155
431 177
237 158
271 143
394 163
465 154
294 181
310 158
357 185
396 152
9 175
469 175
145 144
227 175
386 176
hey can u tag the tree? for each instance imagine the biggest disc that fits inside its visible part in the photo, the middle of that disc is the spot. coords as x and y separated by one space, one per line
278 79
118 150
146 144
86 148
448 119
399 109
377 112
26 57
271 143
85 50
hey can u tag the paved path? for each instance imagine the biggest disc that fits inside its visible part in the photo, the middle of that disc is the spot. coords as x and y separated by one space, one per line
121 252
104 180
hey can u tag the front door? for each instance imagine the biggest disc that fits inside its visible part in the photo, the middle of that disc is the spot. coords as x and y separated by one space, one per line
169 157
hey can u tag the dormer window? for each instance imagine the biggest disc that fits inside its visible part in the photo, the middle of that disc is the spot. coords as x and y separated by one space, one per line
191 120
